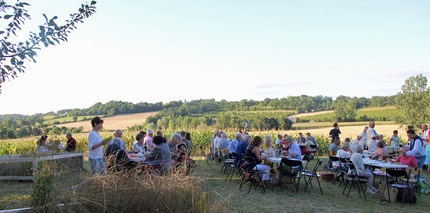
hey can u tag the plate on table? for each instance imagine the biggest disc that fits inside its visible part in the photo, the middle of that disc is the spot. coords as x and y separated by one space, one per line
133 156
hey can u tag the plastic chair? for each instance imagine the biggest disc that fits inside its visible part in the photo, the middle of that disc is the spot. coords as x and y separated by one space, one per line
312 175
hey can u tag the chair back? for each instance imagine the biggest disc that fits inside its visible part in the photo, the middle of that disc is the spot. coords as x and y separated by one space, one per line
291 163
351 167
317 165
248 163
396 174
333 158
313 146
343 164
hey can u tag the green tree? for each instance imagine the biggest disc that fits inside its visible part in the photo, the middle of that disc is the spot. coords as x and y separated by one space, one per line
15 52
413 101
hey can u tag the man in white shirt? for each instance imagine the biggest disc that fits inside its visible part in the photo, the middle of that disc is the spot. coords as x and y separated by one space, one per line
363 136
371 137
95 147
215 141
416 148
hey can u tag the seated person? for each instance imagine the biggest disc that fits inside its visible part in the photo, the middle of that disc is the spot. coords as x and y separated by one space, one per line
380 151
71 143
138 145
301 140
41 145
161 153
333 147
223 144
267 148
294 151
342 153
253 151
357 160
118 140
354 143
411 161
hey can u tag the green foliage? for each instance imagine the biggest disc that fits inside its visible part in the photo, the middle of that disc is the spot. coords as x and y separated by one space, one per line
43 184
345 110
413 102
14 53
375 114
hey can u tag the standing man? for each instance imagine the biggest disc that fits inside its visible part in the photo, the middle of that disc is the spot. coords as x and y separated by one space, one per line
335 132
363 136
71 143
148 140
371 137
95 147
416 148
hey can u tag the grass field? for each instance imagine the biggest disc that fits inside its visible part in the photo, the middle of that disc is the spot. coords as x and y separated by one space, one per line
51 121
15 194
114 122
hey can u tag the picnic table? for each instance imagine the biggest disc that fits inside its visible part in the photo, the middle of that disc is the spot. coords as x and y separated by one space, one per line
385 165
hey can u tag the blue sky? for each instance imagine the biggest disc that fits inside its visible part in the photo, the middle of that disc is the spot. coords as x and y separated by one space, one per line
175 50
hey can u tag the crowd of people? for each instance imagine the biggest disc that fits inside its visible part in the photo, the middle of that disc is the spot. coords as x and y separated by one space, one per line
169 154
415 154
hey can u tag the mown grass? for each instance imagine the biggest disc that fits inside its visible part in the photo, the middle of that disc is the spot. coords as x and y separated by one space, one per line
69 119
286 200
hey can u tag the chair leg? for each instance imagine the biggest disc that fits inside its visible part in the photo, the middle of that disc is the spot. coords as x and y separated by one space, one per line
344 188
364 193
382 194
350 187
320 186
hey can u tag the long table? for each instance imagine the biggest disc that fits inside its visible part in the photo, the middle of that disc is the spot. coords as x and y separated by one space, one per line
386 165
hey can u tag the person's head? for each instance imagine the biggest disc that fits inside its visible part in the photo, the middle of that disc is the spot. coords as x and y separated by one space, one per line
158 140
403 150
279 136
143 133
139 138
150 132
365 128
247 139
43 138
395 132
411 133
345 147
160 133
411 127
183 134
256 142
359 137
97 123
285 136
268 140
337 141
372 124
308 138
424 127
176 137
238 136
359 148
335 125
347 140
117 133
300 135
380 144
68 135
216 133
224 135
289 141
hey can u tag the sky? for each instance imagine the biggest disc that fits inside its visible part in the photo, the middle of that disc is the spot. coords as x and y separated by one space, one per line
160 51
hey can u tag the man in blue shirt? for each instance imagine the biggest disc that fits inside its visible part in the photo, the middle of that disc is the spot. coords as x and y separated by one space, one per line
294 150
241 149
234 143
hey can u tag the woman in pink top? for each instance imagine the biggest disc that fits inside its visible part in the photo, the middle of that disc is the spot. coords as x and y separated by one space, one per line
380 152
411 161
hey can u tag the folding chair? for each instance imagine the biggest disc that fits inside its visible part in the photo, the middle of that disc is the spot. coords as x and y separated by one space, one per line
295 172
393 179
355 180
251 174
311 175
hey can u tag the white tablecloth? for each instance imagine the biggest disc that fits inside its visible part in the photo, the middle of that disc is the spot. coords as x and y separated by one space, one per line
387 165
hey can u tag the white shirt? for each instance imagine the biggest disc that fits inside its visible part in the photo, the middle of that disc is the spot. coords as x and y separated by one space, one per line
425 135
371 143
418 149
354 144
216 139
363 138
340 154
357 160
94 138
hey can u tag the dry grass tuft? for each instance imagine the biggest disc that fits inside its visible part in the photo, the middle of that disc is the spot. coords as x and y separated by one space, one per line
149 193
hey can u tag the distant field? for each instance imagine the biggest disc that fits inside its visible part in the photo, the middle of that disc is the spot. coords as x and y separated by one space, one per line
351 131
114 122
51 120
312 113
315 125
